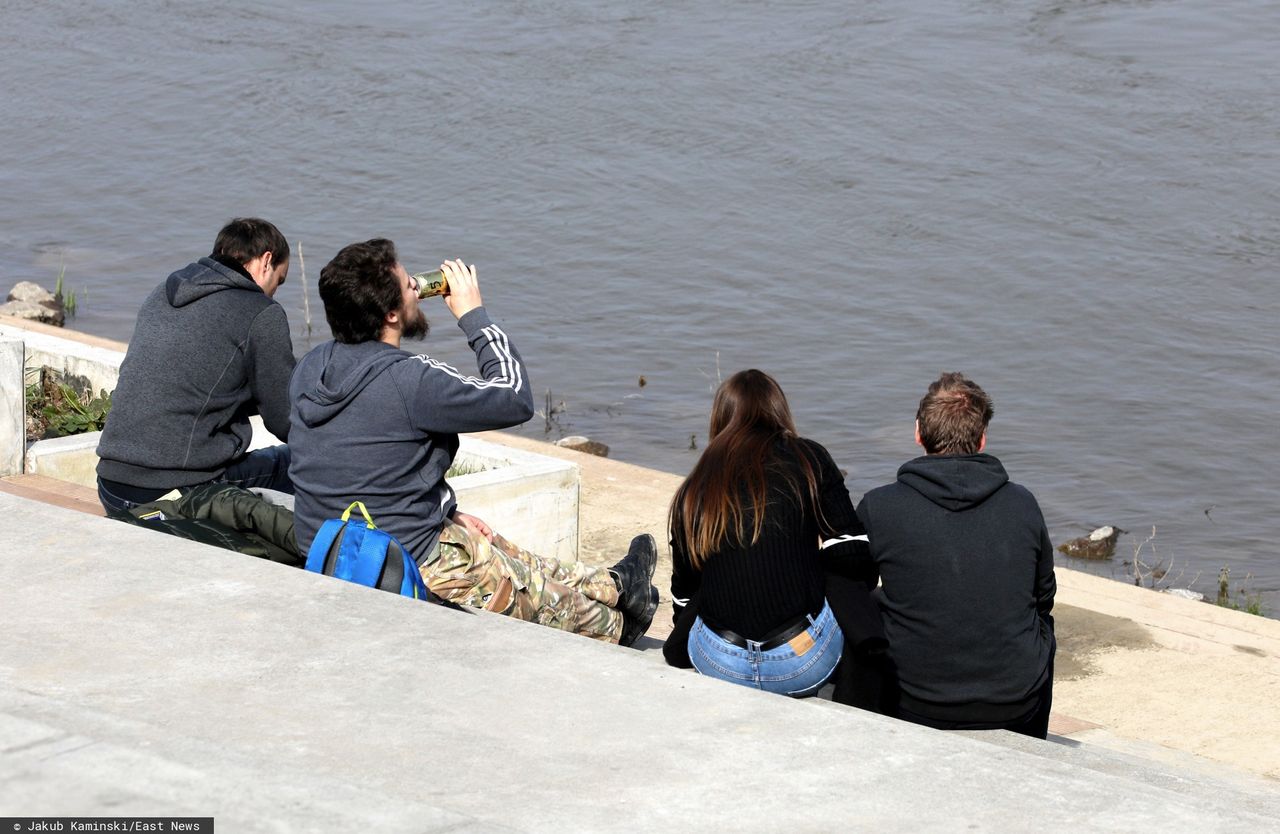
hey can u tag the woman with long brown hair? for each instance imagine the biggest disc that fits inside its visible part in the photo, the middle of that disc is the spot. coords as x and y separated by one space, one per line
746 530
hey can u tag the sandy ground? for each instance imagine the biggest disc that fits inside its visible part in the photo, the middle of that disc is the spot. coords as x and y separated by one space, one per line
1131 663
1224 709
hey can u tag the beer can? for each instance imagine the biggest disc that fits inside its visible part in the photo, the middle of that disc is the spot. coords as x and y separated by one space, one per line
430 283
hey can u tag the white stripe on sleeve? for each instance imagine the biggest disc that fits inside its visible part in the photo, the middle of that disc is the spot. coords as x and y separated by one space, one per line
842 539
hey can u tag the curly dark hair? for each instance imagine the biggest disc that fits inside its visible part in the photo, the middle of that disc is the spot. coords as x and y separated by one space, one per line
359 287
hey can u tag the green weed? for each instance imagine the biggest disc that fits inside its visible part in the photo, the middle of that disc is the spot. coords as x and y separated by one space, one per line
1244 600
56 409
68 298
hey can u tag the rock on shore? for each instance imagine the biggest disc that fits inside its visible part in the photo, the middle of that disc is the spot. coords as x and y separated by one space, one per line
30 301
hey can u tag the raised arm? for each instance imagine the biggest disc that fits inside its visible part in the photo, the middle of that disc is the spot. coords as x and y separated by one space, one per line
439 398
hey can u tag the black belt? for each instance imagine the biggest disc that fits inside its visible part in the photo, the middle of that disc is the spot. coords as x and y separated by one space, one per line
778 637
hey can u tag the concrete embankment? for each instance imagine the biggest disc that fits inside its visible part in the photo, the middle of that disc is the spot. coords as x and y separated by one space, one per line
146 675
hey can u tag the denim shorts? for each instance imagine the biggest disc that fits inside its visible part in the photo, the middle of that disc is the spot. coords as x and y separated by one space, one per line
783 670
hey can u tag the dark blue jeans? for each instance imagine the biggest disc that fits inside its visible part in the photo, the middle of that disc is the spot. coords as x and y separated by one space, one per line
261 469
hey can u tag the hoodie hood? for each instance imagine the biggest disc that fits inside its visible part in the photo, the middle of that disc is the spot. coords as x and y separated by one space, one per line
340 372
954 482
204 277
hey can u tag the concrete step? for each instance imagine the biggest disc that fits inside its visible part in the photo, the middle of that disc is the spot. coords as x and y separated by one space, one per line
1151 765
143 672
1132 764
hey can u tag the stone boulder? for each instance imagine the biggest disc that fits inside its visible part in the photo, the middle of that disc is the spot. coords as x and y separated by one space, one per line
30 301
1100 544
584 444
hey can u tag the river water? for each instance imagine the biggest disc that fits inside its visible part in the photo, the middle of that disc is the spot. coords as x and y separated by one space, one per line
1075 202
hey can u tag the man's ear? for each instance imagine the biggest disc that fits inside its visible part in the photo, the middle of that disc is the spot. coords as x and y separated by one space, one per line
982 444
919 442
259 268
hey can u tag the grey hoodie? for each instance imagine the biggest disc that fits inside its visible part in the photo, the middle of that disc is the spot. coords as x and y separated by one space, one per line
377 424
209 349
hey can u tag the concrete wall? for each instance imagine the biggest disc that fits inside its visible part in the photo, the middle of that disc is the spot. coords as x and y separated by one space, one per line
13 428
99 366
531 499
73 458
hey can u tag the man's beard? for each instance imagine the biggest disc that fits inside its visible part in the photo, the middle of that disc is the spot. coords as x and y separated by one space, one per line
416 328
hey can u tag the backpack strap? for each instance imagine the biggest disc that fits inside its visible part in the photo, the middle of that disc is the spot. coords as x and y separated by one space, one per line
323 541
412 584
368 520
372 556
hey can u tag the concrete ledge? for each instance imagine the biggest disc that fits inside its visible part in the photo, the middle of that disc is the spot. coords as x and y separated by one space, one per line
53 492
62 333
13 415
73 458
1150 764
1175 622
142 674
96 360
530 499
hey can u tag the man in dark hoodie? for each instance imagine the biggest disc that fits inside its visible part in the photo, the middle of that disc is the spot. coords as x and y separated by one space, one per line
210 348
375 423
967 571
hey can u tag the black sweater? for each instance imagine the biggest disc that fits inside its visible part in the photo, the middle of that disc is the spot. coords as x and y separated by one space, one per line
968 583
753 589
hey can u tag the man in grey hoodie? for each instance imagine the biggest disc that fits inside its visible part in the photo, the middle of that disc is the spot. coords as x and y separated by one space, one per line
210 348
375 423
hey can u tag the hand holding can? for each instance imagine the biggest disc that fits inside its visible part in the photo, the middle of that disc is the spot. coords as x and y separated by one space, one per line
464 290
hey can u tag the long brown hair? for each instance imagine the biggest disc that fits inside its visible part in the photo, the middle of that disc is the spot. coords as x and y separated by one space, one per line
749 419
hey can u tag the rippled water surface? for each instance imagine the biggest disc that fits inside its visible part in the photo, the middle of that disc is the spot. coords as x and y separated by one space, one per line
1076 203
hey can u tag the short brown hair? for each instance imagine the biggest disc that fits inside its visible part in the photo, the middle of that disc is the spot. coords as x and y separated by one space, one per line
953 416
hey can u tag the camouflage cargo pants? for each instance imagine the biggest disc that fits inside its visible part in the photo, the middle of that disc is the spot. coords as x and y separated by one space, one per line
498 576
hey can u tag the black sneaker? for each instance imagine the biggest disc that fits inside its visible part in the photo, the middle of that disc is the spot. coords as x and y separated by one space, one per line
637 598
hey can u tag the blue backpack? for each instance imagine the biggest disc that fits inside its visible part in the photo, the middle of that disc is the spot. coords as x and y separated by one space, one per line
363 554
